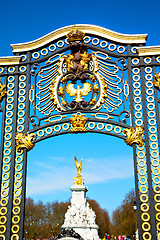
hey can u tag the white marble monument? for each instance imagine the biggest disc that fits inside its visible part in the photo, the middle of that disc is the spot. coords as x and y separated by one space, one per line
80 215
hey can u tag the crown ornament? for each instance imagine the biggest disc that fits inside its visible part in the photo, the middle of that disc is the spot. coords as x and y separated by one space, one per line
78 123
75 35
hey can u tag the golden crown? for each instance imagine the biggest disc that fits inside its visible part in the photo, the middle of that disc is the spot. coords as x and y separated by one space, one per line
75 35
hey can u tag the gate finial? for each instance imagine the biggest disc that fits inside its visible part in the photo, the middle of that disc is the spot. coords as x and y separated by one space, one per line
75 35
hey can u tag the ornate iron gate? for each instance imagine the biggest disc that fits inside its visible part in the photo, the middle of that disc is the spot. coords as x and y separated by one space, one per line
80 79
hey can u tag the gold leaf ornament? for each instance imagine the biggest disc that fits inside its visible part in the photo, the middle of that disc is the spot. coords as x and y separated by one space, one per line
156 83
2 91
134 135
23 140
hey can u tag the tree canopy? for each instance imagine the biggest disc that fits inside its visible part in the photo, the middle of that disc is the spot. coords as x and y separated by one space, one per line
102 218
124 218
45 220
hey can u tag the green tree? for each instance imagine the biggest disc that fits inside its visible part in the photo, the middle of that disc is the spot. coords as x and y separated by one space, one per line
124 218
34 218
45 220
55 215
102 218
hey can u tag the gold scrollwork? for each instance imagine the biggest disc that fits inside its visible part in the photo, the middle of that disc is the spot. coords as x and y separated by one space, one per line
78 122
23 140
31 95
55 118
156 83
134 135
2 91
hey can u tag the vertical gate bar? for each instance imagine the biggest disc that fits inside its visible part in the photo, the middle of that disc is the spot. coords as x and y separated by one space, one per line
157 111
3 131
22 215
130 86
10 201
156 103
24 174
151 195
137 193
134 147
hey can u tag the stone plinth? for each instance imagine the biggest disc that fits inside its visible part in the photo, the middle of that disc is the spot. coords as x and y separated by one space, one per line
80 216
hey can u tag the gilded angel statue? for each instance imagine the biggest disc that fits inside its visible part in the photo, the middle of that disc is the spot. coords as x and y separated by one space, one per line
78 179
78 166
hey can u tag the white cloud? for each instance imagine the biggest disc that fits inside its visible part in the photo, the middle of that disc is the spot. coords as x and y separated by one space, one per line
49 176
56 158
106 170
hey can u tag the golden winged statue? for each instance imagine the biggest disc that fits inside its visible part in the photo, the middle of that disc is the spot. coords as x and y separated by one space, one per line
79 92
78 179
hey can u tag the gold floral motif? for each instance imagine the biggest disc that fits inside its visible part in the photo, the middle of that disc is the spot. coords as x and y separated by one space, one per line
2 91
78 180
60 92
69 61
78 122
23 140
156 83
85 59
52 95
134 135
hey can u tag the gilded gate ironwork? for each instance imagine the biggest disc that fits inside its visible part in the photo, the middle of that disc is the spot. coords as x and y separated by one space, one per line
80 79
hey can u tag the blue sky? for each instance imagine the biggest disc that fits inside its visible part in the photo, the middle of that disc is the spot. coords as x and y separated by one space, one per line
107 168
107 161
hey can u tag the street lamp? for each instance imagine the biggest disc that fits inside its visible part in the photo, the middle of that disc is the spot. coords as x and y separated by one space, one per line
135 209
135 205
26 233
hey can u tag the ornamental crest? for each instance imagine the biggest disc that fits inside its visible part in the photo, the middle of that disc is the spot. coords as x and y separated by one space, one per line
79 80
